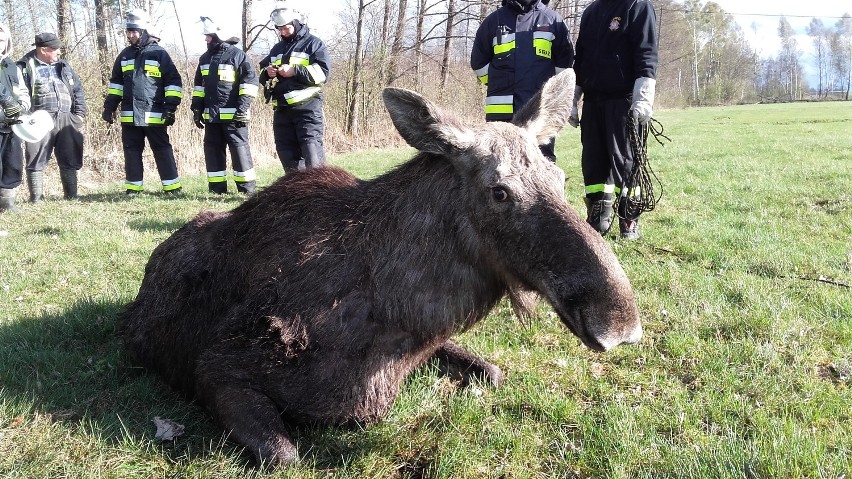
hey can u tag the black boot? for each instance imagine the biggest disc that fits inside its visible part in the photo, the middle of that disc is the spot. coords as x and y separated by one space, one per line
7 200
599 214
69 183
35 181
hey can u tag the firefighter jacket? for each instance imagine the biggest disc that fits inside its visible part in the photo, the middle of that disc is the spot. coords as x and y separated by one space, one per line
43 97
145 82
225 83
309 56
616 45
515 52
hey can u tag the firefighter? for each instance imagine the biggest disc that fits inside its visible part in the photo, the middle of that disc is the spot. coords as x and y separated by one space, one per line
55 88
147 86
13 102
292 75
616 64
517 48
224 87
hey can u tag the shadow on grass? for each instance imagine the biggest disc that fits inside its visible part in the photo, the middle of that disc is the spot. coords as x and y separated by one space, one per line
70 367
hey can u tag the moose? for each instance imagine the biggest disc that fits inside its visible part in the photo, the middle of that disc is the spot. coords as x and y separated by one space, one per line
312 301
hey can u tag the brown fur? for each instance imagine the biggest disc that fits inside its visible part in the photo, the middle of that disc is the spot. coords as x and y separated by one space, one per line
313 300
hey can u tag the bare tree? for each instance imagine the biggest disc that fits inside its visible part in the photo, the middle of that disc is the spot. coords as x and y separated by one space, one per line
246 24
448 42
354 92
396 46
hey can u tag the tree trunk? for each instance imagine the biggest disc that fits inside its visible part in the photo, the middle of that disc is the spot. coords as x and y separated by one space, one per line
354 110
101 39
63 20
418 41
247 4
396 47
448 43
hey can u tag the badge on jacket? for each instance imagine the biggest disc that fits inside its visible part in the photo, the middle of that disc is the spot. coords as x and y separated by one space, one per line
615 23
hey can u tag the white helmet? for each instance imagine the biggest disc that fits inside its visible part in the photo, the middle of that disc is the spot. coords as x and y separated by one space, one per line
136 19
283 15
33 126
209 27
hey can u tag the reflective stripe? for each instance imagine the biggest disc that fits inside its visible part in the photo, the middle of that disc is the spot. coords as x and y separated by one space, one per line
227 113
198 92
500 104
543 48
133 185
276 60
217 176
126 117
128 65
298 96
152 69
482 74
169 185
205 69
316 74
248 89
506 43
299 58
173 90
600 188
116 89
227 73
244 176
549 36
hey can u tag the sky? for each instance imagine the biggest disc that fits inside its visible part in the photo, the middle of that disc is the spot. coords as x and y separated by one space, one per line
759 20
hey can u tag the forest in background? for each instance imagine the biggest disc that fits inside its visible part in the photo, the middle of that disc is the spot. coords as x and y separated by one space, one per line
424 45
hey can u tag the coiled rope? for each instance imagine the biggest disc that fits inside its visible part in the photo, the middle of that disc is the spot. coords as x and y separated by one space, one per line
642 177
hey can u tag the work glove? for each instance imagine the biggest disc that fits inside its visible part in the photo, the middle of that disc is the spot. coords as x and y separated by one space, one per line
197 118
643 99
241 120
12 108
108 115
168 118
574 116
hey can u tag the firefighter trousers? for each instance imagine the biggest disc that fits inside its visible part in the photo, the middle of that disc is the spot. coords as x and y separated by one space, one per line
298 132
11 160
133 138
217 138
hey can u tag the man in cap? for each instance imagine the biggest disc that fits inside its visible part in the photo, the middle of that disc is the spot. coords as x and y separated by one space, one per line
147 86
13 102
54 87
293 74
224 87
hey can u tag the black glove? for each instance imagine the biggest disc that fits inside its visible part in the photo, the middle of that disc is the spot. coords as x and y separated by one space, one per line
168 118
198 118
12 108
241 120
108 115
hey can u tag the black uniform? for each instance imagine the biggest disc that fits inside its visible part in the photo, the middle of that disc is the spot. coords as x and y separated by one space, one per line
225 85
616 45
147 86
517 49
11 153
298 119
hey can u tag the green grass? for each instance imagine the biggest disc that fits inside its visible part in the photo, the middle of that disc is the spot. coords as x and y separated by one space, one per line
742 279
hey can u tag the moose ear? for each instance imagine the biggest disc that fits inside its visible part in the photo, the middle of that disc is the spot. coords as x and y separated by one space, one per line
547 112
425 126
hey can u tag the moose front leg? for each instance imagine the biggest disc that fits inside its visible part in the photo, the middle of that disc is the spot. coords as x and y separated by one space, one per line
459 363
255 422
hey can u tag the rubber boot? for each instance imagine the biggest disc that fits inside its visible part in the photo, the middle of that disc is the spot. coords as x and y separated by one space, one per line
69 183
599 214
7 200
35 181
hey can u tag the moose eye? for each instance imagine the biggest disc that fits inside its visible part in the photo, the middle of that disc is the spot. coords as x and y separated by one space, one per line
499 193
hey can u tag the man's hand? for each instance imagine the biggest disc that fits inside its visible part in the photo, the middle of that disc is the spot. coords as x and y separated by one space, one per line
168 118
108 115
574 116
643 99
241 119
12 109
198 118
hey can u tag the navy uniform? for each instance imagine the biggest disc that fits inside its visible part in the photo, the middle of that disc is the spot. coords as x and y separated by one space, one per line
224 87
616 63
517 49
55 88
148 87
296 92
13 101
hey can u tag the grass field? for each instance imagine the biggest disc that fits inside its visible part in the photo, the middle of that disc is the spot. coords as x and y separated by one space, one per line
742 276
